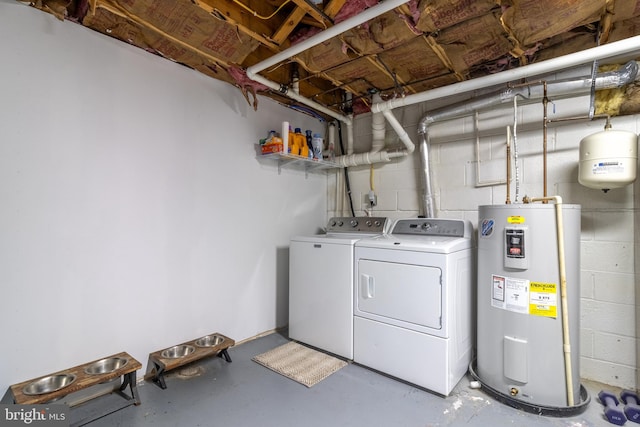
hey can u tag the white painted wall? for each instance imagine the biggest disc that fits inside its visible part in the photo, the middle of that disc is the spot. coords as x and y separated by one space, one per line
609 329
134 214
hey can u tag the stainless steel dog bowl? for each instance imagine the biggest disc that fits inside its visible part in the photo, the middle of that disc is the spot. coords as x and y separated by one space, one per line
48 384
177 351
209 341
106 366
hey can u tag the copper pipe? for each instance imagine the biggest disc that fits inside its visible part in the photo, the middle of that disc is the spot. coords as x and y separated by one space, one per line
508 201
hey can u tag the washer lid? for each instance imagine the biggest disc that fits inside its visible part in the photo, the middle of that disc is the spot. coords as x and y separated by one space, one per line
330 239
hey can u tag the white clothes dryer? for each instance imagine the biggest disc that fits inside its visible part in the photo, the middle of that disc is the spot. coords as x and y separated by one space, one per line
413 302
321 271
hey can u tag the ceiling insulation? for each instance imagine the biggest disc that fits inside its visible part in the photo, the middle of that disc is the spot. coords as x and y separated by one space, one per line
421 45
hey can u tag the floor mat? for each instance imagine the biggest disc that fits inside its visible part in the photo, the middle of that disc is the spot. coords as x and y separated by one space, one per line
300 363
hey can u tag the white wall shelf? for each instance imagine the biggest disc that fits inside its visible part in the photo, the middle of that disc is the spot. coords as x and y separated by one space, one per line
286 160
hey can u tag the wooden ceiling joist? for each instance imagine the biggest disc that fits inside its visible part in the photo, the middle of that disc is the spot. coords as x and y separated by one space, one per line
254 28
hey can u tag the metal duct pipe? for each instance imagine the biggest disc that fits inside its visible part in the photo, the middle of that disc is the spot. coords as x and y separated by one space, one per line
534 92
609 80
428 205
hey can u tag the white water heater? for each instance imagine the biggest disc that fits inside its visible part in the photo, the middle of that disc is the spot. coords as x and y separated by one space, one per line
520 332
608 159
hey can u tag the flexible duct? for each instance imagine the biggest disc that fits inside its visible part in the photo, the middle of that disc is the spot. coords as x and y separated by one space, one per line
609 80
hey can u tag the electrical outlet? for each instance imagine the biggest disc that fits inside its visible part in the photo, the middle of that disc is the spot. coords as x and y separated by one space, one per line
372 199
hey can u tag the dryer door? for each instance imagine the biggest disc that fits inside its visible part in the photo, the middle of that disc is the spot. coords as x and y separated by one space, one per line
405 295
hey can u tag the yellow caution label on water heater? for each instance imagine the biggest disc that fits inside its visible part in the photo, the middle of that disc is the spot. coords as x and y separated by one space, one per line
543 299
515 219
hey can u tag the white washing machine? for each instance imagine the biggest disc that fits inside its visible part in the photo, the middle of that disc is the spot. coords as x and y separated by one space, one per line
321 271
414 301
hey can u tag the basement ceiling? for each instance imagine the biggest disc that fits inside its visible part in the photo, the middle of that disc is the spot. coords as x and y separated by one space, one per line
421 45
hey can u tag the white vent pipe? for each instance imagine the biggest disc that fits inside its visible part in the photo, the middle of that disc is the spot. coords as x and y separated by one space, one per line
362 17
350 159
622 47
378 127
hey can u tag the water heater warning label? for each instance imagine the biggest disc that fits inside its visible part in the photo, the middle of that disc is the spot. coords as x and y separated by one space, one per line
543 299
510 294
523 296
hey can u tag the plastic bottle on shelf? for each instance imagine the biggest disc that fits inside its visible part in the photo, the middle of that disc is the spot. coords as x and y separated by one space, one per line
293 143
309 137
301 142
317 144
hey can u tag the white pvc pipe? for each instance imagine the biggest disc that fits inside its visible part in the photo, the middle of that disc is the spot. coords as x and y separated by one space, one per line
402 134
377 127
331 138
609 50
349 137
325 35
362 17
301 99
367 158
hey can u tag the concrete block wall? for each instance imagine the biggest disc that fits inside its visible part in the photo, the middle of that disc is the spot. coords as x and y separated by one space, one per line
609 237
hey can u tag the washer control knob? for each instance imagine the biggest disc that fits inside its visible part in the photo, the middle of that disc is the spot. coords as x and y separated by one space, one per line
354 223
333 223
368 223
426 226
377 223
340 223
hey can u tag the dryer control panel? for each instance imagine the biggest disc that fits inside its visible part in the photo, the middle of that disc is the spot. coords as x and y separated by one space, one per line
430 227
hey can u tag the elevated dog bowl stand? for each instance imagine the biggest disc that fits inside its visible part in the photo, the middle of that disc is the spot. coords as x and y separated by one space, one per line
158 365
82 382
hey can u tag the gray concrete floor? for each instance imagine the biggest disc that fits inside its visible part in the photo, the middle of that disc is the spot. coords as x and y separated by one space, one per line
243 393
